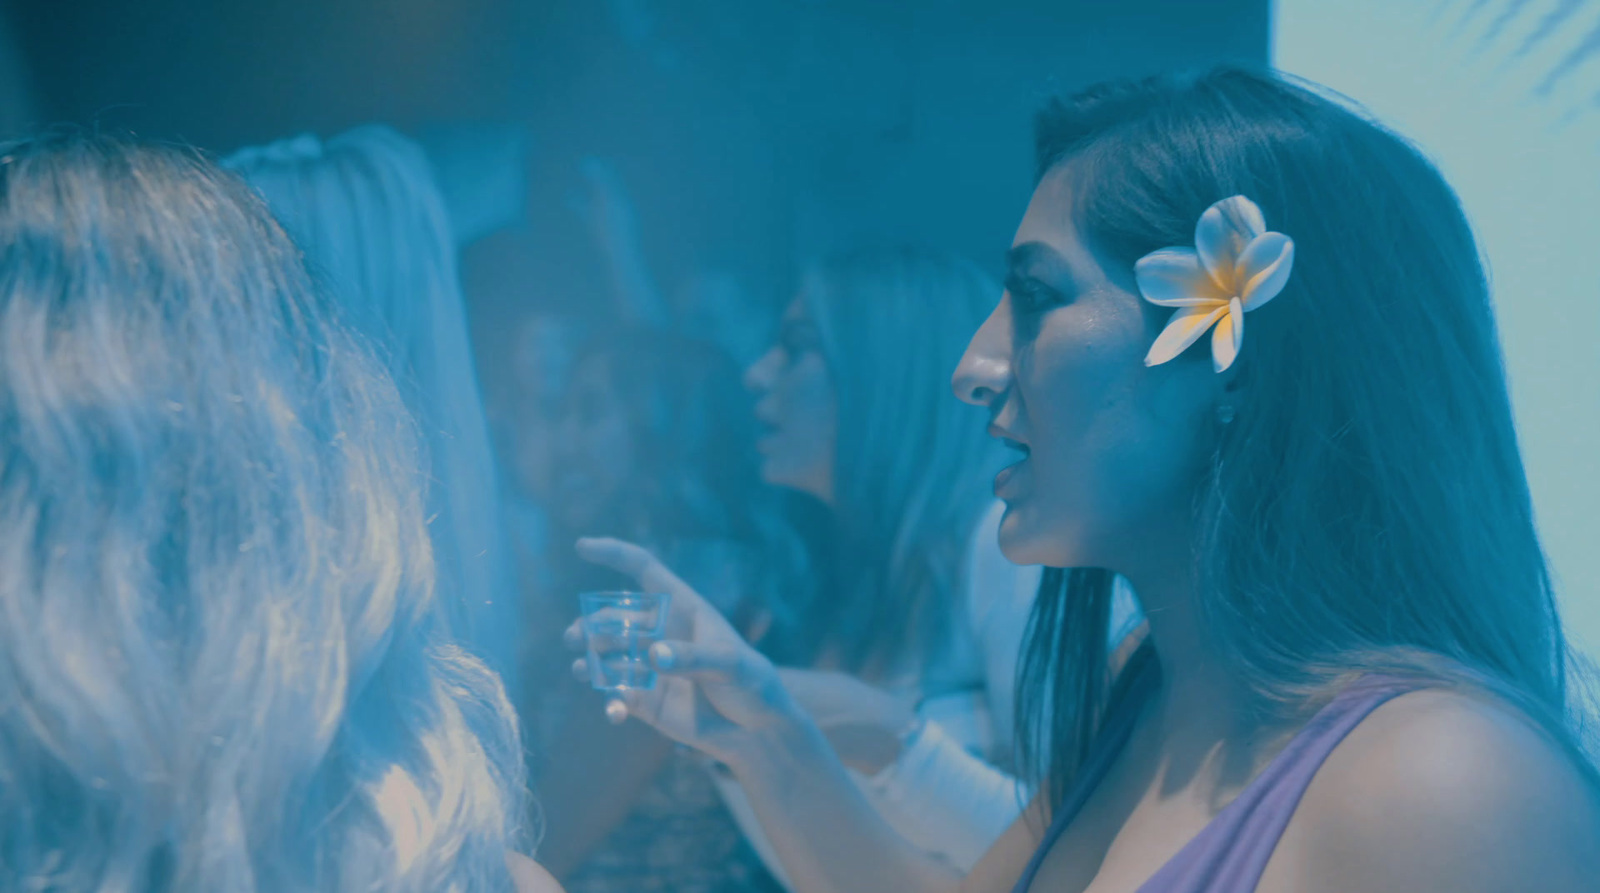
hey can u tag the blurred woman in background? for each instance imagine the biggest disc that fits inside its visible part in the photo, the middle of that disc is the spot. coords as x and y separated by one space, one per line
222 663
655 438
367 210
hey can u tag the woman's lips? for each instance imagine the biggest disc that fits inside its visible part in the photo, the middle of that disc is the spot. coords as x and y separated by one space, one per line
1009 483
766 435
1006 483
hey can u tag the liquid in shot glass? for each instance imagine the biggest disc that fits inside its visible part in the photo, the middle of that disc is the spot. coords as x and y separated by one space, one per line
618 630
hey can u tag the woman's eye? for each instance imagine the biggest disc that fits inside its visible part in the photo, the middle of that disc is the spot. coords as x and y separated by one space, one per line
1032 295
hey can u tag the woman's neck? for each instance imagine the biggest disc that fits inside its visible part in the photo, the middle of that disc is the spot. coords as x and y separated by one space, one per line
1200 695
1203 723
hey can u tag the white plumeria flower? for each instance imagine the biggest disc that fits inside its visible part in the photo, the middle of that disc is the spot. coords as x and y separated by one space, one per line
1235 266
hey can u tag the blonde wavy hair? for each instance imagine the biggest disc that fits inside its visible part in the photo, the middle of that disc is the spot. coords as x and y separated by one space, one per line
221 663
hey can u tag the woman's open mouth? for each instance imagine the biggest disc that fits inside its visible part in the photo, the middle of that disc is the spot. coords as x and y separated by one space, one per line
1007 484
766 435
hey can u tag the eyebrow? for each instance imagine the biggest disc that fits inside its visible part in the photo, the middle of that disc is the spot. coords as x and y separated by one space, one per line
1037 260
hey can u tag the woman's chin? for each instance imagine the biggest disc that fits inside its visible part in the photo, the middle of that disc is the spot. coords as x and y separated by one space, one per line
1025 542
772 474
789 475
1017 543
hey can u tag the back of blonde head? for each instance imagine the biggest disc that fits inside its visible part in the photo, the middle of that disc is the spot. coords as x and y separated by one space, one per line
221 667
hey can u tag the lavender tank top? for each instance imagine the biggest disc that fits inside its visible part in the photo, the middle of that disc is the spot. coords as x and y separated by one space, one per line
1229 854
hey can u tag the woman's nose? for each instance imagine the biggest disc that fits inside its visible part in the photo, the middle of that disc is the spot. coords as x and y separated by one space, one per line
984 372
758 378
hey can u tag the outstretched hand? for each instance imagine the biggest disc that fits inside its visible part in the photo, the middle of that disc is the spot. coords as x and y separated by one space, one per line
719 695
714 690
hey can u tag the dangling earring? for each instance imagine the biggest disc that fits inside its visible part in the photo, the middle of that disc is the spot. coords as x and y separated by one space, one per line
1225 413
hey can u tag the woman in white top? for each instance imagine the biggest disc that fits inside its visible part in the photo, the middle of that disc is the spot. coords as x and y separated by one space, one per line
855 417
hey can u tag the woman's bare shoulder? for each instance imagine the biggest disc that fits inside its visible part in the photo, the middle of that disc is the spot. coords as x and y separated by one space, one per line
529 877
1442 790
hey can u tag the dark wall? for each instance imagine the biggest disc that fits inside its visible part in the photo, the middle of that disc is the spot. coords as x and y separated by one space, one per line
752 134
756 135
222 73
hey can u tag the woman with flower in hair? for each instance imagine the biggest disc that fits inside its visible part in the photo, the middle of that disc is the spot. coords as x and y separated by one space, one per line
1247 359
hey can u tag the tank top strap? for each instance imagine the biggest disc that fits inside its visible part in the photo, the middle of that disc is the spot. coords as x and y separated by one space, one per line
1230 854
1113 736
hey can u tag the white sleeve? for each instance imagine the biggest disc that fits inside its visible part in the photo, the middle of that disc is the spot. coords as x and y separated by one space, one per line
944 800
939 794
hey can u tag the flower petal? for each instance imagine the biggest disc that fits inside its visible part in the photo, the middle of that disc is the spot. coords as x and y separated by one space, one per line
1222 234
1173 277
1264 267
1225 341
1185 328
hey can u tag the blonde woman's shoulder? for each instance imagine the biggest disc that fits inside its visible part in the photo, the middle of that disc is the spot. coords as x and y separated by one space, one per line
529 877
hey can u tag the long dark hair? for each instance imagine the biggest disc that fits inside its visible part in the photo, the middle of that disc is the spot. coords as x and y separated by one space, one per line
912 463
1366 509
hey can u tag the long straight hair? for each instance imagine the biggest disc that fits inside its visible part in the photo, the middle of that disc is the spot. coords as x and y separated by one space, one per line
367 212
222 666
1366 509
912 463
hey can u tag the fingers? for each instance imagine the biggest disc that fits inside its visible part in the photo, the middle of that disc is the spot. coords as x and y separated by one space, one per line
717 663
688 615
574 637
622 557
643 704
728 663
616 711
634 561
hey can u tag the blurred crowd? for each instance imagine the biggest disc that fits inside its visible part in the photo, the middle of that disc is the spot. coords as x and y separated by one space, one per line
796 459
